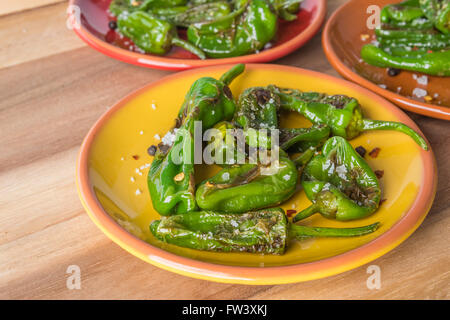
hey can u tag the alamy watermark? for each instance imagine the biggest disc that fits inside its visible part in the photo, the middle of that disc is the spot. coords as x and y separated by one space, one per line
230 146
374 280
73 281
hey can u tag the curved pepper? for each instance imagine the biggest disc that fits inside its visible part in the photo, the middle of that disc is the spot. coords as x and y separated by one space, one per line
434 63
246 30
341 113
116 7
152 34
301 139
171 175
263 231
340 183
286 9
201 13
241 188
404 11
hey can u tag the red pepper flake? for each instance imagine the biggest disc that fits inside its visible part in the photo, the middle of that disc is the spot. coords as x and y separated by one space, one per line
382 200
429 51
379 173
414 48
374 153
135 157
290 212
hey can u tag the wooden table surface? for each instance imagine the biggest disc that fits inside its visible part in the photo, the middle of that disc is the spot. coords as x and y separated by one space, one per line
52 89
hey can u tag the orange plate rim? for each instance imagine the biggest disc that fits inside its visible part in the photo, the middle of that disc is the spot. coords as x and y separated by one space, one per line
399 232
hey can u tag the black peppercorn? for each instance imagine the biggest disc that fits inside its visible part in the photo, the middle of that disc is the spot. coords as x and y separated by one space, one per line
151 150
392 72
361 150
112 25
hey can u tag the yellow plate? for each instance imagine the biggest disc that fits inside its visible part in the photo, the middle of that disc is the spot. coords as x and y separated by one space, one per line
112 183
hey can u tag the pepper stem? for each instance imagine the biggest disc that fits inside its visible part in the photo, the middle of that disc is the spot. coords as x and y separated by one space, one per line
231 74
397 126
302 232
305 213
189 47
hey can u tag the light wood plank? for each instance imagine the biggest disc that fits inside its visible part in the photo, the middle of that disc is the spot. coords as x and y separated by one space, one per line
13 6
34 34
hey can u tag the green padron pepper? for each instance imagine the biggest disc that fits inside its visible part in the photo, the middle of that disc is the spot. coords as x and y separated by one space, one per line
244 187
152 34
246 30
171 176
301 139
264 231
434 63
257 109
339 183
286 9
202 13
341 113
437 11
405 11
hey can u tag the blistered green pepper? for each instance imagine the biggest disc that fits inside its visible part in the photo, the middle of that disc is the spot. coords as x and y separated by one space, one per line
171 176
339 183
433 63
301 139
263 231
286 9
202 13
240 188
341 113
405 11
152 34
246 30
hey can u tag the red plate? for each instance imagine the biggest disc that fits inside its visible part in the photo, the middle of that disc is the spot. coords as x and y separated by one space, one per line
92 27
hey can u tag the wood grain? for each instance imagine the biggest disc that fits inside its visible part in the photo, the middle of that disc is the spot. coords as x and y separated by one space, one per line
8 7
48 101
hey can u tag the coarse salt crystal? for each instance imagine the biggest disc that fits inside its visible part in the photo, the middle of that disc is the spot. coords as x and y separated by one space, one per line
141 132
138 192
157 137
132 179
419 92
423 80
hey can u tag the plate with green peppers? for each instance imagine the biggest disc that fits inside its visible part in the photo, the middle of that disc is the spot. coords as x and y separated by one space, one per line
398 49
309 175
185 34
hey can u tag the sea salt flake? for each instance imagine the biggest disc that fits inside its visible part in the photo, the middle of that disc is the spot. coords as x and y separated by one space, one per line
419 92
157 137
423 80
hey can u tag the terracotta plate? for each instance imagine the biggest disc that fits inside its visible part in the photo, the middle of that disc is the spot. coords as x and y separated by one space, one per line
113 165
343 37
93 29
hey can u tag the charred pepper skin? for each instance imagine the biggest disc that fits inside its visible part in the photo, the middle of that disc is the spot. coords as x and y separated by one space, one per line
152 34
434 63
265 231
340 184
241 188
246 30
341 113
171 176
